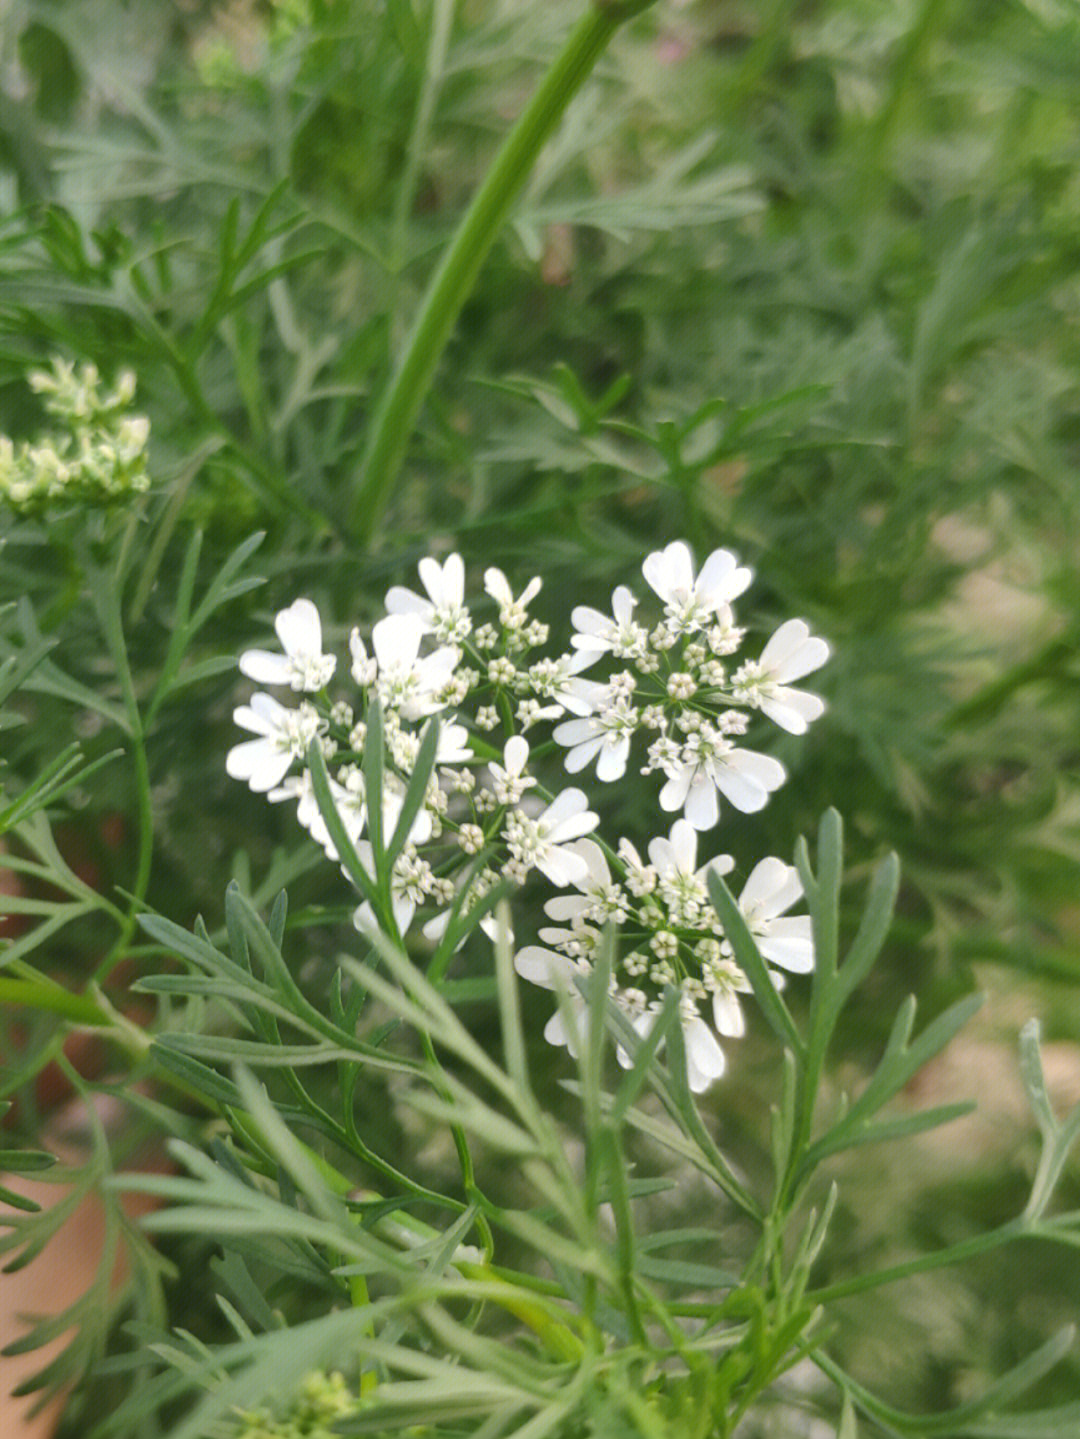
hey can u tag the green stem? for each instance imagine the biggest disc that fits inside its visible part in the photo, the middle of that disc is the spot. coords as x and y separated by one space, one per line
442 19
452 283
53 998
91 1010
113 628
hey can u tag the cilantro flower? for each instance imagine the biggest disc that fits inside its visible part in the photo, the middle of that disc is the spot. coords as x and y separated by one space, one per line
604 737
682 886
765 683
691 603
600 898
543 843
406 680
513 613
443 613
708 765
772 888
303 666
509 780
283 736
596 632
551 970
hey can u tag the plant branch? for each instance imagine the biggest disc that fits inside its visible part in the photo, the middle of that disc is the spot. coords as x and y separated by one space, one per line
395 416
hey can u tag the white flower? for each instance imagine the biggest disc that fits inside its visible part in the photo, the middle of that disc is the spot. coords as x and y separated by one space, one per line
392 805
542 843
556 680
681 885
772 888
640 877
600 899
558 972
690 603
597 633
436 927
406 681
604 736
453 746
764 683
705 1060
709 763
410 880
364 669
513 613
303 666
443 613
284 735
348 801
726 981
509 780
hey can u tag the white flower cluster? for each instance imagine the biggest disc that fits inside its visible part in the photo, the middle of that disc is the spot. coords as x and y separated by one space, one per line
670 935
675 684
485 819
98 457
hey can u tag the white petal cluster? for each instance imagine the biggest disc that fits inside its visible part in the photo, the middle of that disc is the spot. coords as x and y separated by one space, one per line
303 666
681 689
671 937
483 818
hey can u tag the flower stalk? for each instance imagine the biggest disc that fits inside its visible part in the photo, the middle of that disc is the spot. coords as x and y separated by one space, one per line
452 283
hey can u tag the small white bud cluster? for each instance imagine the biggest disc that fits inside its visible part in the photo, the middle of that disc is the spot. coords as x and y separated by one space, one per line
96 457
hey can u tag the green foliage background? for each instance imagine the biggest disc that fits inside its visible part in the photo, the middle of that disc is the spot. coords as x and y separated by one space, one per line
798 278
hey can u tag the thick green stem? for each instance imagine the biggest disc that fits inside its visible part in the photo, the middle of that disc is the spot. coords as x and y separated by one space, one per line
452 283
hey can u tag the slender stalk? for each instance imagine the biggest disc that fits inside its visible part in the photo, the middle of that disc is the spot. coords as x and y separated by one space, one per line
442 19
452 283
108 607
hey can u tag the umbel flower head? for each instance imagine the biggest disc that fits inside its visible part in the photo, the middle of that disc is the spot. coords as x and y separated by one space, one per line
96 456
675 685
480 816
670 937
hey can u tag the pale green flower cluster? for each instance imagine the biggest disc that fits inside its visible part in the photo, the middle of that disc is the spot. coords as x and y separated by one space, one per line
96 456
323 1398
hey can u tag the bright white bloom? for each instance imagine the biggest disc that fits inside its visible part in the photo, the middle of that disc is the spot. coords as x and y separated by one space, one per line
284 735
348 800
708 764
407 681
393 803
705 1060
410 881
364 669
558 972
443 613
509 780
772 888
453 746
726 981
764 683
303 666
543 843
640 877
597 632
513 613
556 680
436 927
600 899
604 736
690 604
680 884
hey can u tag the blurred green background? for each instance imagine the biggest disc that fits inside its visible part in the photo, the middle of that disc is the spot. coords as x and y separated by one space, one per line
797 277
